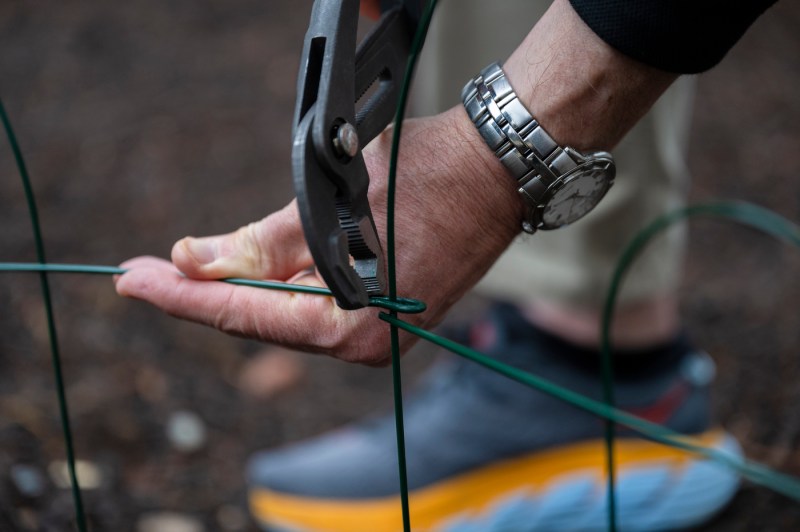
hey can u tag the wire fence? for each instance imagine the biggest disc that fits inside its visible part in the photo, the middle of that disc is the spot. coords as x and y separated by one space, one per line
742 213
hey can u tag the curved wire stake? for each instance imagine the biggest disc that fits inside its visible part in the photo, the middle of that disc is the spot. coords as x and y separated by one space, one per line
80 517
741 212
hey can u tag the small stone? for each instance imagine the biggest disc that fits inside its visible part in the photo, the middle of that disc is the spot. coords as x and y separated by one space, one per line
29 480
168 522
186 431
28 519
89 474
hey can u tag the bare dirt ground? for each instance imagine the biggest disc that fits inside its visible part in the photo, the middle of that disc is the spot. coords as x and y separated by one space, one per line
145 121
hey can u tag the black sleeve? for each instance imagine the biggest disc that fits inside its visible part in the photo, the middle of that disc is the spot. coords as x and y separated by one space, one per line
685 36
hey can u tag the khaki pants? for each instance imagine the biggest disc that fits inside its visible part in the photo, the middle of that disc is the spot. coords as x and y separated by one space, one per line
572 265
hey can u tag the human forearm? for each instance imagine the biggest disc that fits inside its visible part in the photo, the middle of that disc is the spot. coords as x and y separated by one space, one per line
585 93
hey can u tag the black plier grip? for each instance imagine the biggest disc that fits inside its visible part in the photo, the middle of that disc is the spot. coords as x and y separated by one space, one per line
330 176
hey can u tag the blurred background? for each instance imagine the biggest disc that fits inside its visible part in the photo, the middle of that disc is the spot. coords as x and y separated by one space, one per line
145 121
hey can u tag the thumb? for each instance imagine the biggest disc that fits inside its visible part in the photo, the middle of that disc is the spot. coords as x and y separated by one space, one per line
273 248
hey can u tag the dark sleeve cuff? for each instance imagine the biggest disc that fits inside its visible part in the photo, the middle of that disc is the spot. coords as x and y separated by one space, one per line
683 36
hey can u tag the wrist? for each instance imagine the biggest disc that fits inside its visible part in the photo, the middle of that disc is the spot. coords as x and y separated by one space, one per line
447 172
585 93
565 93
456 208
485 177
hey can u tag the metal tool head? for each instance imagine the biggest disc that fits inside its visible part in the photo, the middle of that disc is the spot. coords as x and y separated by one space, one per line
330 176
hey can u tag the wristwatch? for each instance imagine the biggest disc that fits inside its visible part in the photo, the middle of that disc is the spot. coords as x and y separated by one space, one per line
558 185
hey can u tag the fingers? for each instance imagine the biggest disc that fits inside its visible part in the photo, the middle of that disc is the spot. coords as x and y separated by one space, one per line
300 321
273 248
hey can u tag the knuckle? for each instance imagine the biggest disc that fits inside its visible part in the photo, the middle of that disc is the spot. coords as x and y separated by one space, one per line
230 316
261 258
250 249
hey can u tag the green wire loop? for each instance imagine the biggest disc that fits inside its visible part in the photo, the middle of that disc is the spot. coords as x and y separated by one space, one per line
401 305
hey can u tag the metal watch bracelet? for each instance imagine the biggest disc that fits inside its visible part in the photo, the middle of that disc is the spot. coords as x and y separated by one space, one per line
529 153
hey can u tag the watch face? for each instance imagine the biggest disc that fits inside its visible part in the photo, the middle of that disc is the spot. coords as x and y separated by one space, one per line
579 193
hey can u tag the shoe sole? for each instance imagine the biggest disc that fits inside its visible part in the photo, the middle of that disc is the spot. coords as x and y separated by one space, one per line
657 488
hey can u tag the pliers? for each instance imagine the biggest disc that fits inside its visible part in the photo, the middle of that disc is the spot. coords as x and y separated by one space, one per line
346 97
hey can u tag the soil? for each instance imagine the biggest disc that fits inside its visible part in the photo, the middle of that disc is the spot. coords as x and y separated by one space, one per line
145 121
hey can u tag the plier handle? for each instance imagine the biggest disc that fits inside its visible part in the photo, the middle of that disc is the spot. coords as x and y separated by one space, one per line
331 125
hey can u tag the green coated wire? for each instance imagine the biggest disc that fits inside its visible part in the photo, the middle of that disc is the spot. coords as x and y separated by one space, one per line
402 305
416 46
63 408
609 435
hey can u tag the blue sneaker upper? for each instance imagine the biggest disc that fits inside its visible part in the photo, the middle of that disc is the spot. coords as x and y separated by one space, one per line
463 416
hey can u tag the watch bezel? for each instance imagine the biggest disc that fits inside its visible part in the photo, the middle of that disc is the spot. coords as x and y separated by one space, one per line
535 215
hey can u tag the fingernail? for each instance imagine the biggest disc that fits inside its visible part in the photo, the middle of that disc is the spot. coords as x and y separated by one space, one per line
204 252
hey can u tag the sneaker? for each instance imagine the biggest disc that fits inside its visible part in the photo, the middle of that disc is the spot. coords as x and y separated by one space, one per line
485 453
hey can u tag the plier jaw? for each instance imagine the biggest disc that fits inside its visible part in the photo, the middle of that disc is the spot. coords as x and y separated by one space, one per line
330 176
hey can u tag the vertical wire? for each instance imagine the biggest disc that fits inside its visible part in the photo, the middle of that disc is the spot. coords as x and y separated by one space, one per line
610 426
397 388
51 325
416 46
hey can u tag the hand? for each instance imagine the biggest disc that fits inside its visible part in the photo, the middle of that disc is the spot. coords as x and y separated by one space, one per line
457 208
448 235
